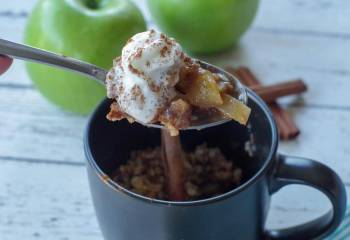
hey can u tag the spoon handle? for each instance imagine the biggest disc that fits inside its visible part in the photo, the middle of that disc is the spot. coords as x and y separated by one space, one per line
23 52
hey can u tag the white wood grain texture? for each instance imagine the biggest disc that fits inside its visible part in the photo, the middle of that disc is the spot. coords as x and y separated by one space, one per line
34 128
40 201
36 202
315 17
16 7
42 138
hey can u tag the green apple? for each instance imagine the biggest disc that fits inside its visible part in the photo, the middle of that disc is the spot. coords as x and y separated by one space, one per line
204 26
90 30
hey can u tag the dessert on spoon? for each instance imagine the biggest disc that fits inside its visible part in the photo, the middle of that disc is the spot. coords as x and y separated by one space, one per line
154 82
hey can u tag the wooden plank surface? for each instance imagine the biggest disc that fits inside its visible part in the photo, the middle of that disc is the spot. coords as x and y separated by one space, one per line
41 201
320 18
39 143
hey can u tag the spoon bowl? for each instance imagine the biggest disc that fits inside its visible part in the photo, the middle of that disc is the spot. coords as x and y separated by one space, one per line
27 53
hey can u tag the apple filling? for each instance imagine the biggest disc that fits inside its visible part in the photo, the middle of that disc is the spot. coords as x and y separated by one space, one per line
199 93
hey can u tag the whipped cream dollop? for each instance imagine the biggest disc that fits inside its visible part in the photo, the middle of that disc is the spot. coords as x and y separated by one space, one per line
143 79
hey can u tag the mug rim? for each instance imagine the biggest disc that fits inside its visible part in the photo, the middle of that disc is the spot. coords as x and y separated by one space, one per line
116 187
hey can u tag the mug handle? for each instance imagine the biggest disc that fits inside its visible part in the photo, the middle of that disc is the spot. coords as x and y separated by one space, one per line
295 170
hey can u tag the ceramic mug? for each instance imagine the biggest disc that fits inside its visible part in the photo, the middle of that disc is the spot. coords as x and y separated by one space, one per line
238 214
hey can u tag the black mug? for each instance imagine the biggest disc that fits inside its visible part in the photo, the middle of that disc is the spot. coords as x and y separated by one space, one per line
238 214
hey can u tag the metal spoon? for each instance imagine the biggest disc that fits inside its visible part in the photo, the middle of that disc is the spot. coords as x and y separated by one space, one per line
23 52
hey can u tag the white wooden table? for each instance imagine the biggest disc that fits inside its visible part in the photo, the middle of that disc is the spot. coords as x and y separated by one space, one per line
43 186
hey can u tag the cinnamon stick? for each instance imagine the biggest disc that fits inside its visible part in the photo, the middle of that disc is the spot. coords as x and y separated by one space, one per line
246 75
293 130
285 124
173 160
272 92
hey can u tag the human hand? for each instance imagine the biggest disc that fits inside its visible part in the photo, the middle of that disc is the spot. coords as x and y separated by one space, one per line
5 63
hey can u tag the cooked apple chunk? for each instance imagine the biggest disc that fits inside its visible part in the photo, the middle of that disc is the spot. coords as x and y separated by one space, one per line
202 91
234 109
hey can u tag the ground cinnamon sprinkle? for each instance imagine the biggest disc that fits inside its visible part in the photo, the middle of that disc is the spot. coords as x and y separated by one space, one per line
163 51
137 94
154 87
139 53
120 89
208 173
134 70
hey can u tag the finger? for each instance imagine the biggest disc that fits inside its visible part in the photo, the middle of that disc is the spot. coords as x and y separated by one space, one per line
5 63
